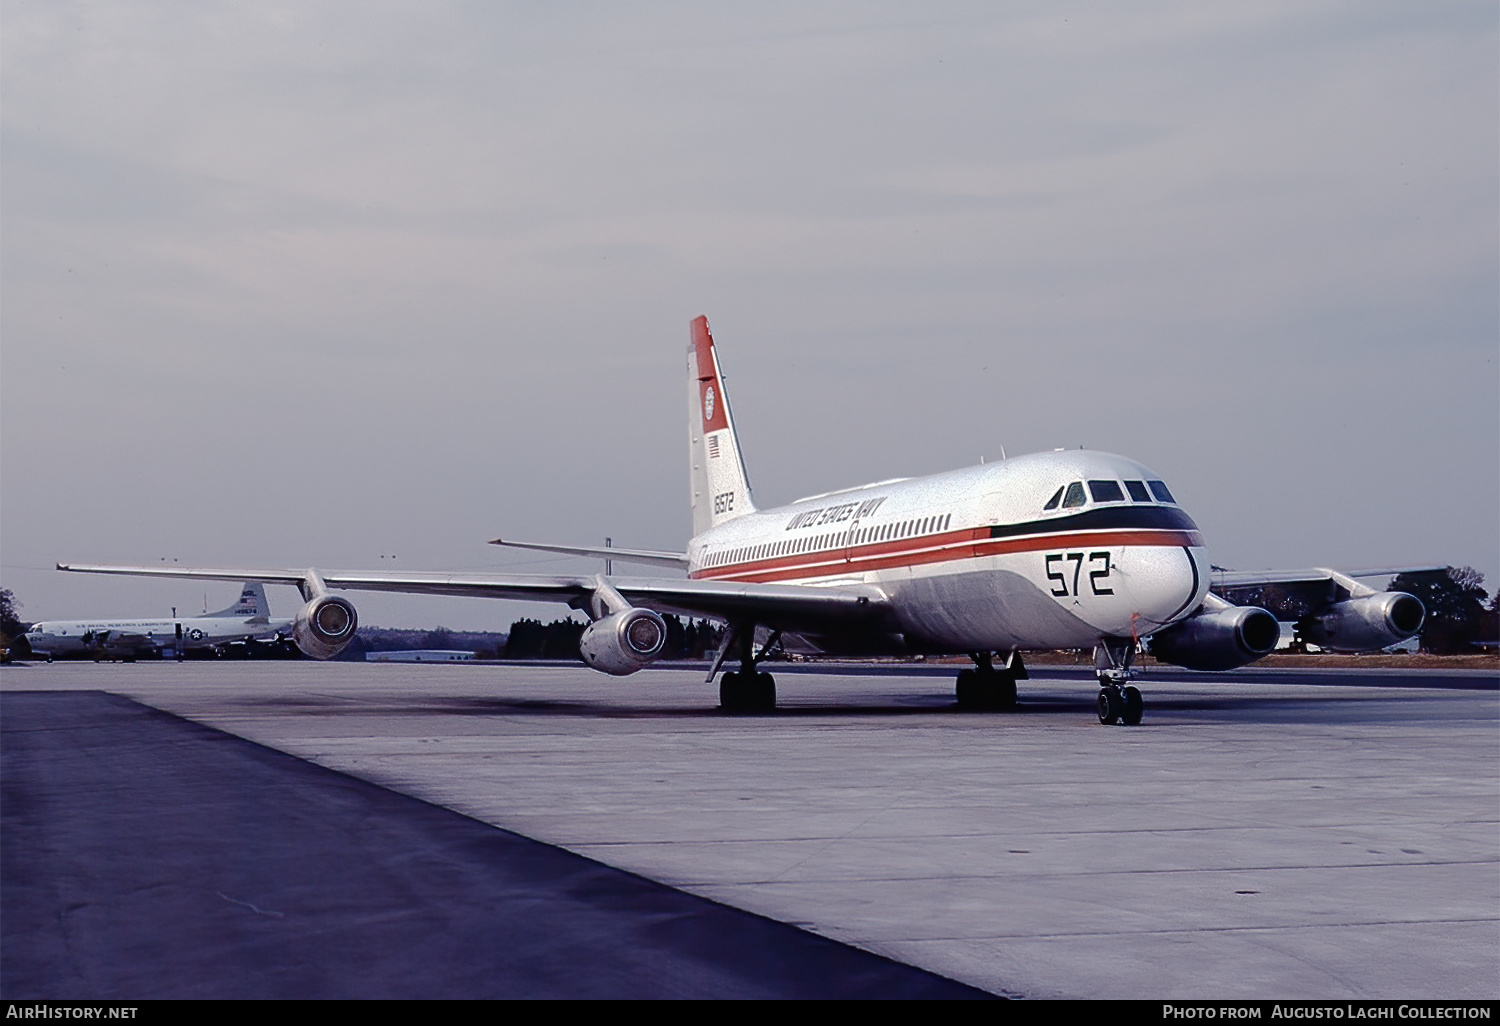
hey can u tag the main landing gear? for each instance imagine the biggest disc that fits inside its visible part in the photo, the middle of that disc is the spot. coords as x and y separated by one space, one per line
746 690
989 687
1119 701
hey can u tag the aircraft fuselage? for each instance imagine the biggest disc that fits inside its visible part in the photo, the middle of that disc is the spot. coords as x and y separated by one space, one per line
975 560
70 637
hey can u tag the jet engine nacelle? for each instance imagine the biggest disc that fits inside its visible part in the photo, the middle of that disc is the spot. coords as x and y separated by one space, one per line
1218 640
623 642
1364 624
324 627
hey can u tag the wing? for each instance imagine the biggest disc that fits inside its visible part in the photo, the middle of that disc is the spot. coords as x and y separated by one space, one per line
126 640
673 559
787 607
1224 579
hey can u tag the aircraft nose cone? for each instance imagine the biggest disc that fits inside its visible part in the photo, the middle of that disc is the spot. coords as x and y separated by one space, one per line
1164 584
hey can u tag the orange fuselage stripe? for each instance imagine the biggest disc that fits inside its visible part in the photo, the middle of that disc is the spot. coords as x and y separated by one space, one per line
968 543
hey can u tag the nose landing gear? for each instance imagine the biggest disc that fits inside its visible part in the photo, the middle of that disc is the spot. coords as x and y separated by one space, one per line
1119 701
1120 705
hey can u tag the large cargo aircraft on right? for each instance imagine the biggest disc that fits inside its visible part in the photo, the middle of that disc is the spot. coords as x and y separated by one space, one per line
1065 549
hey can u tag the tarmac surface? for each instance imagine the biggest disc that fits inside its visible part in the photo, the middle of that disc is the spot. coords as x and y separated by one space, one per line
148 856
1296 836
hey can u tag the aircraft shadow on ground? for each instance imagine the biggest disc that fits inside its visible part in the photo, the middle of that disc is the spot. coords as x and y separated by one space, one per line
1309 708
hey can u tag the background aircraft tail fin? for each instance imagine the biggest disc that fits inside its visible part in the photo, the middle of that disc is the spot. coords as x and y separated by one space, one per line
720 487
252 602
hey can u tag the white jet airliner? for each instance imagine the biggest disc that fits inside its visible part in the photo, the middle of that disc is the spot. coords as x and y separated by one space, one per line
249 619
1067 549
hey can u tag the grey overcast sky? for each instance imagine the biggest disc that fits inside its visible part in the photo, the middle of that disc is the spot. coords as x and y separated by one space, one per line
330 283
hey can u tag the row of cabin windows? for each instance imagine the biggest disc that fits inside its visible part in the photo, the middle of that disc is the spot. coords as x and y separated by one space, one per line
1071 495
818 542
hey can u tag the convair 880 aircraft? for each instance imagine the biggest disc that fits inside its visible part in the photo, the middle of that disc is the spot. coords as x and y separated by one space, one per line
1067 549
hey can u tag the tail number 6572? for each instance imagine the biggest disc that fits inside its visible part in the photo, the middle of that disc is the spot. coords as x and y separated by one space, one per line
1058 572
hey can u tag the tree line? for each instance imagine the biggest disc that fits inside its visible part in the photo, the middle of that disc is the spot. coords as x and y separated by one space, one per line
532 639
1458 620
528 639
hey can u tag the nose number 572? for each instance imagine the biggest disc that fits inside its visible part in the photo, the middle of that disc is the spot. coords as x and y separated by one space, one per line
1057 572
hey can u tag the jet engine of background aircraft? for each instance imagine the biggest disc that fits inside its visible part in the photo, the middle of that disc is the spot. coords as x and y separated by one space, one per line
1362 624
623 642
324 627
1220 637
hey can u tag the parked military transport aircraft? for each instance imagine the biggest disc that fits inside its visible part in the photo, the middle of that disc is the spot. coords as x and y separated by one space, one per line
247 620
1066 549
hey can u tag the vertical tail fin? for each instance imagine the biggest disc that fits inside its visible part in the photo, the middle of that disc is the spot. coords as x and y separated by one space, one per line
720 489
252 602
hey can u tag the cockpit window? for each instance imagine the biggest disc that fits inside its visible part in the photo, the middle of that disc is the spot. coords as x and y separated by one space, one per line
1056 498
1106 491
1137 490
1074 496
1159 489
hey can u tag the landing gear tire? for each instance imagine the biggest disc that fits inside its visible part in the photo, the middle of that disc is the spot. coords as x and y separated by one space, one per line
1111 705
967 690
747 692
765 693
977 690
1120 705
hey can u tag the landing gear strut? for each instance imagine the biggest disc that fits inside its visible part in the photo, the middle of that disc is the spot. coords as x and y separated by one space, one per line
989 687
745 690
1119 701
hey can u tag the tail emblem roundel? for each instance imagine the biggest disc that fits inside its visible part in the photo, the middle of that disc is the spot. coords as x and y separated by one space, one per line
708 405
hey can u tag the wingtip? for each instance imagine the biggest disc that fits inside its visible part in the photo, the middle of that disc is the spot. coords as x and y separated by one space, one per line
497 541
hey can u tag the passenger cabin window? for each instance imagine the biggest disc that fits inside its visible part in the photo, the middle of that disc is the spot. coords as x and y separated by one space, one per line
1106 491
1159 489
1056 498
1137 490
1074 496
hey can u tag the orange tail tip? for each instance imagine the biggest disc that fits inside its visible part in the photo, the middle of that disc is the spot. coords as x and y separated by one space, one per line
710 388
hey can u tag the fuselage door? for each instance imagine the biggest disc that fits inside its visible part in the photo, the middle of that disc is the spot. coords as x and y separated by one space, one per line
850 539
